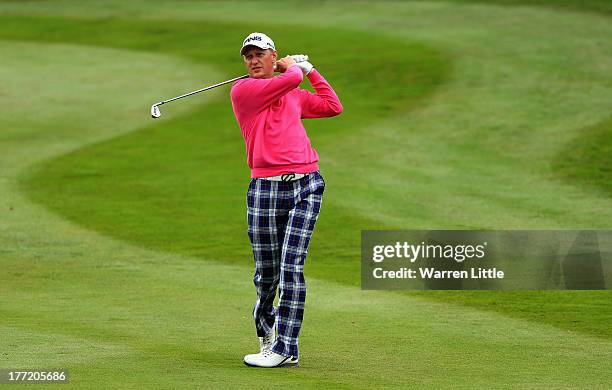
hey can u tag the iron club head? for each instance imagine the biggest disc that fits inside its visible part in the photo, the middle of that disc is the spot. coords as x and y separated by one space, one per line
155 113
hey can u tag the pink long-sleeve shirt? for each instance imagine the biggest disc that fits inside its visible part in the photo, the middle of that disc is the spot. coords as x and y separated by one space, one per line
269 112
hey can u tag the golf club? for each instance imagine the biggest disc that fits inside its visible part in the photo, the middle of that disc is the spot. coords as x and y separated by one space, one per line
156 113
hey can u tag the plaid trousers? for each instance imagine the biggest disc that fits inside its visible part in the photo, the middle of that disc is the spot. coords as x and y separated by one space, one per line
281 218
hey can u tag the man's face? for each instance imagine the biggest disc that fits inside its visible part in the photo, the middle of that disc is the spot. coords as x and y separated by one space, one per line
260 62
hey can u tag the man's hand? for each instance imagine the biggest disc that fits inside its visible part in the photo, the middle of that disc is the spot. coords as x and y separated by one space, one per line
305 66
302 61
299 57
284 63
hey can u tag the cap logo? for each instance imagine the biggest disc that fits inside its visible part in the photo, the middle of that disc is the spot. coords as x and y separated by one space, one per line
249 39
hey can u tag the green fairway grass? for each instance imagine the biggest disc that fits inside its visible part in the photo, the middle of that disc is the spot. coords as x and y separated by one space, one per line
124 251
588 159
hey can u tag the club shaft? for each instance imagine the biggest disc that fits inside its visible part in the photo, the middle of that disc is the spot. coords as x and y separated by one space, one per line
203 89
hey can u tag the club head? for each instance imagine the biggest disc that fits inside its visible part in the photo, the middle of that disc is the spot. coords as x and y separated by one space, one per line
155 113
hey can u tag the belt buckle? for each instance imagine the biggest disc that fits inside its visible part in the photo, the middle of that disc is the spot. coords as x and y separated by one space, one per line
287 177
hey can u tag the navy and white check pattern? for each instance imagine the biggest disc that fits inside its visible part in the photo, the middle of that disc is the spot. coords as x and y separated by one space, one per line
282 217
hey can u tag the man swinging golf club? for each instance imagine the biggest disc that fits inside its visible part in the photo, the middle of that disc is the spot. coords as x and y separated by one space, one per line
286 188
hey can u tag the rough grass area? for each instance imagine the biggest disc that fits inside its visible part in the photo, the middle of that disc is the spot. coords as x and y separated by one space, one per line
588 158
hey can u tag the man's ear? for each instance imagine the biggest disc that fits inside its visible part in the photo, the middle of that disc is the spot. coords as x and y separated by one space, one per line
274 54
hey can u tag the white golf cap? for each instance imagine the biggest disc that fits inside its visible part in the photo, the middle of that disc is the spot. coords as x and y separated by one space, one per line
260 40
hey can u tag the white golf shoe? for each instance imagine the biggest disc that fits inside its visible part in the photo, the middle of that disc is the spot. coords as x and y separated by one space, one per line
269 359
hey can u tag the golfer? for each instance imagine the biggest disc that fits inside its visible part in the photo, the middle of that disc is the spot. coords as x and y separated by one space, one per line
286 188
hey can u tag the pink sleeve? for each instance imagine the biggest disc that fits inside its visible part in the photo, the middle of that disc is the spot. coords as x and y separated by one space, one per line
324 102
253 95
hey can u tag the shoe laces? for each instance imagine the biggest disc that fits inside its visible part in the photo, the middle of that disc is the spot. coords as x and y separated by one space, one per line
267 353
269 338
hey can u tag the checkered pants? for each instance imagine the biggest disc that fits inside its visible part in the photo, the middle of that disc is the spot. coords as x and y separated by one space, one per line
282 217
